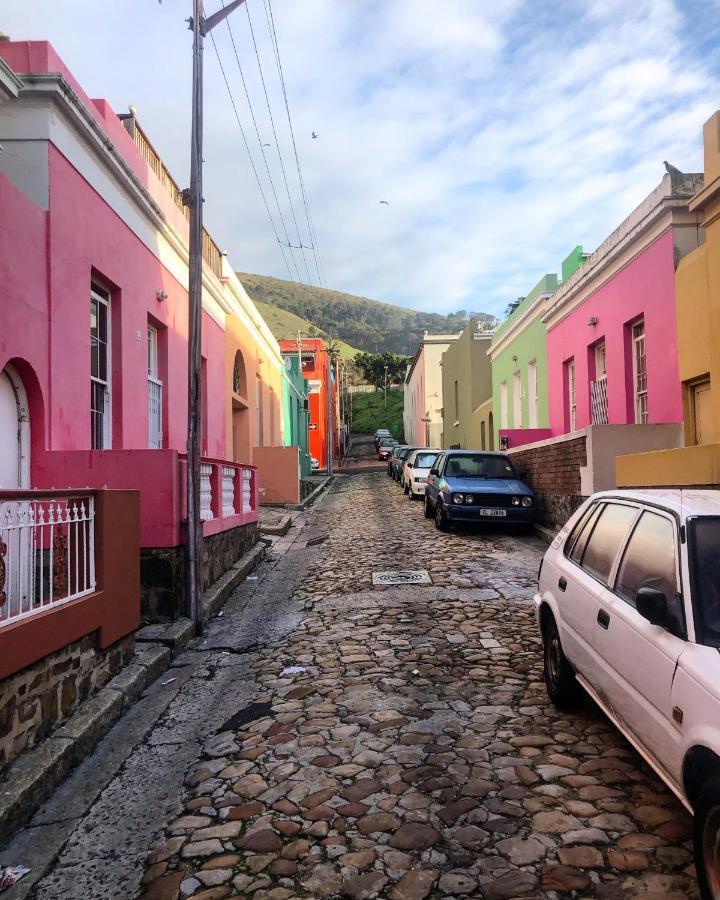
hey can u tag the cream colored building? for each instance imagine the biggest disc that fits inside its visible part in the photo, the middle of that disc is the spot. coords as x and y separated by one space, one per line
467 391
422 415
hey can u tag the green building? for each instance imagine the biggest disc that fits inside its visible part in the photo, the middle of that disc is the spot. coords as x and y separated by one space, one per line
295 411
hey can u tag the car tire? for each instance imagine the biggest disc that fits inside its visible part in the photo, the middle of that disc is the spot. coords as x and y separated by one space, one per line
427 508
562 686
441 520
706 838
406 488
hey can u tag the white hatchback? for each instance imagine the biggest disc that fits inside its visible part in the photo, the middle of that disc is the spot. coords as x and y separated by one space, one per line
416 469
628 604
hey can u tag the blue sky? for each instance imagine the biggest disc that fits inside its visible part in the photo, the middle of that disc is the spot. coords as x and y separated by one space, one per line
501 135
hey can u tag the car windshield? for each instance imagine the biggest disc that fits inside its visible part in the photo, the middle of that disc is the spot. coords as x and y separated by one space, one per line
480 465
705 574
425 460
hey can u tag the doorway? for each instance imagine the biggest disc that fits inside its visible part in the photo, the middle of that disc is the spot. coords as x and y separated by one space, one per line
14 432
702 417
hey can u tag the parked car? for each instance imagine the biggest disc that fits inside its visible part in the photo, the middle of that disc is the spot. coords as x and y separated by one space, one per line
476 486
396 460
416 468
386 447
314 464
628 605
380 435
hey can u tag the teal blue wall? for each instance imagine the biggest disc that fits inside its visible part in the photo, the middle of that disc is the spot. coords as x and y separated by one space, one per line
295 417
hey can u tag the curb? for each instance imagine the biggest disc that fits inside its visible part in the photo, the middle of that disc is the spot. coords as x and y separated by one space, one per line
545 534
282 527
311 498
32 778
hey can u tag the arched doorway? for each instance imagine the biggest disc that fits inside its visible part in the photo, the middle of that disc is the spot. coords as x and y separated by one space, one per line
14 431
240 412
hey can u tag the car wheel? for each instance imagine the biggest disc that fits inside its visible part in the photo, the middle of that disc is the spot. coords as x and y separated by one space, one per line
427 508
441 520
406 488
562 686
706 837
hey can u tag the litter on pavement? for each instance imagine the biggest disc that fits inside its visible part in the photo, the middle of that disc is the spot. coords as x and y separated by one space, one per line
169 681
292 670
10 874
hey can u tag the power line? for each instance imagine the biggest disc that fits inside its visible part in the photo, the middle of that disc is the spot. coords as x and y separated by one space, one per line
277 142
252 161
311 226
288 243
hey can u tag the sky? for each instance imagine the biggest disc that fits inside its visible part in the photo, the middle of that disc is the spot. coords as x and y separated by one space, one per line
500 135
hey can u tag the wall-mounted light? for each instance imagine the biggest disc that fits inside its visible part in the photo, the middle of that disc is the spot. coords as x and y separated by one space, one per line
514 359
161 295
593 320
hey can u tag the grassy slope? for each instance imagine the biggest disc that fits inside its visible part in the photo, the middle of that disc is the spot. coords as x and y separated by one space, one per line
285 325
369 413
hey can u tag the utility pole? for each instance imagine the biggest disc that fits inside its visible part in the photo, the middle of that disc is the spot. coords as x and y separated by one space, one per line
192 197
385 397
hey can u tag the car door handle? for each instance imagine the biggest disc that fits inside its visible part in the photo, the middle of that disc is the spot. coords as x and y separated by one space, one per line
562 584
603 619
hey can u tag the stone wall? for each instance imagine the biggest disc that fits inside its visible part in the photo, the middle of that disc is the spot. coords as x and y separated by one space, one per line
552 470
37 699
162 570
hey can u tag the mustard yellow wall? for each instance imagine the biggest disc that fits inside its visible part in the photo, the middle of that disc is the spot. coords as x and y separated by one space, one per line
693 314
686 466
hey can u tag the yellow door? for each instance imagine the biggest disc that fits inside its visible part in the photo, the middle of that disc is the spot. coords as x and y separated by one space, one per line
702 413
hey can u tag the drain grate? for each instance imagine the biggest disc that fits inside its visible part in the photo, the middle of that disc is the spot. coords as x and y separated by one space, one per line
402 576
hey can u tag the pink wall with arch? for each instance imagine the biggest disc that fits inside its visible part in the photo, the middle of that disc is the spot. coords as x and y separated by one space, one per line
645 288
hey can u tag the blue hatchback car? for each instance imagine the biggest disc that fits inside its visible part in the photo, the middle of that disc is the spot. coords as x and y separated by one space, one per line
477 486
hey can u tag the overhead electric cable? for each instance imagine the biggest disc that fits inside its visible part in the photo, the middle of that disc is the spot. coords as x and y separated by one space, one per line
252 161
277 142
311 225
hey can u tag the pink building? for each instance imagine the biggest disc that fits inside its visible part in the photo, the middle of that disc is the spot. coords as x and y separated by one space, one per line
93 328
611 333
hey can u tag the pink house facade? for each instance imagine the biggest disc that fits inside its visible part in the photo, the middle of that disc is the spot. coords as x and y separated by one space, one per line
611 332
93 328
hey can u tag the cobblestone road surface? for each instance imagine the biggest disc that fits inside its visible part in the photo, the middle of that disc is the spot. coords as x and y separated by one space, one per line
410 751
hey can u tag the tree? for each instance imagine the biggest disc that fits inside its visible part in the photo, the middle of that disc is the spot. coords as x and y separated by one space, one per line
372 366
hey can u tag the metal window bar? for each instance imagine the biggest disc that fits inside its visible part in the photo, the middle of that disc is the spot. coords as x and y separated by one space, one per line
155 432
599 402
47 554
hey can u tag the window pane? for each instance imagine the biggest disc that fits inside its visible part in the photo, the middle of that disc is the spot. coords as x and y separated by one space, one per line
424 460
649 559
705 560
608 534
581 533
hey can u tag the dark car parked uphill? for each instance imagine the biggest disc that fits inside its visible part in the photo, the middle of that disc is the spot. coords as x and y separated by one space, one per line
474 486
395 462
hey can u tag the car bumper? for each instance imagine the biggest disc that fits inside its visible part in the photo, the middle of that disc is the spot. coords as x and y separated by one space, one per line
513 515
417 489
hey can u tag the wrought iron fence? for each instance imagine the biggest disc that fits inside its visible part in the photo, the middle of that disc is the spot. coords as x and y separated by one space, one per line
599 402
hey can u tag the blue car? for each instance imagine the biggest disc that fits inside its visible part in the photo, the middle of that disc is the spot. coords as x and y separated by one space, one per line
475 486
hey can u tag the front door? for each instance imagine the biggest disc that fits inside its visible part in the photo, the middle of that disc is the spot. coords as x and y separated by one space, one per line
702 413
10 435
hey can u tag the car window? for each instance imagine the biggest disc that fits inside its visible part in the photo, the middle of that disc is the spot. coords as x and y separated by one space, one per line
704 533
608 535
479 465
424 460
437 468
575 544
410 457
649 559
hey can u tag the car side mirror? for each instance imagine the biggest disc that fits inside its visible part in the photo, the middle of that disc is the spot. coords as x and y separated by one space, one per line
652 605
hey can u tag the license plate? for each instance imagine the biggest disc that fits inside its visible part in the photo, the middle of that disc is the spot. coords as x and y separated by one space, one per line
499 513
421 480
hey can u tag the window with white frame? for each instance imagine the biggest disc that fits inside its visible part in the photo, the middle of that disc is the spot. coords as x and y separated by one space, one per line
639 373
517 400
155 431
572 404
532 395
598 387
100 424
504 405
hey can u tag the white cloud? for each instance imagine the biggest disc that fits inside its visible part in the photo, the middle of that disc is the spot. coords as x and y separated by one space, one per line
501 135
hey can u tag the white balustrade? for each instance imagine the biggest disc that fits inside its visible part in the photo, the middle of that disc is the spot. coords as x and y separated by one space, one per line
228 491
47 554
205 492
247 490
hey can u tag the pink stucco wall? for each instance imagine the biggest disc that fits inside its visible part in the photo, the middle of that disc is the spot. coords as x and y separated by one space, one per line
644 287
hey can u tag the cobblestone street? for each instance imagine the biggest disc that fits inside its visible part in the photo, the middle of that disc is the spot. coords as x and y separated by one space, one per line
398 742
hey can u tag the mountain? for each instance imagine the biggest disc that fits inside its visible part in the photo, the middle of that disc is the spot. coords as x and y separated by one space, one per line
363 323
285 325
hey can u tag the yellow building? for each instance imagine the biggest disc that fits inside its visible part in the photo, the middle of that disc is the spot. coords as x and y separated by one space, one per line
467 419
697 290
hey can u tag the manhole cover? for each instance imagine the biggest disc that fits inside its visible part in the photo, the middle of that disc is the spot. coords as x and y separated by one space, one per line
402 576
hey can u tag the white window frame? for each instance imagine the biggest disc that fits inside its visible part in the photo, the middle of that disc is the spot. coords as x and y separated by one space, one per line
532 394
517 399
640 393
503 405
155 428
102 298
572 395
600 361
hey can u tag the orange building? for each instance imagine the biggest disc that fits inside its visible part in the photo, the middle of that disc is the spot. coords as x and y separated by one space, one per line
318 369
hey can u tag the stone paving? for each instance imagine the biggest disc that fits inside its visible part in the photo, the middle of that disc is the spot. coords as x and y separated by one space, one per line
410 751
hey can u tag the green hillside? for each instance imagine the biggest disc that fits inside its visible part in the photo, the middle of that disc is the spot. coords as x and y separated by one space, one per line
285 326
369 413
363 323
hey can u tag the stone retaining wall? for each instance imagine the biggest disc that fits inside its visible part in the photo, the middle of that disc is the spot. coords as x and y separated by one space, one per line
37 699
552 470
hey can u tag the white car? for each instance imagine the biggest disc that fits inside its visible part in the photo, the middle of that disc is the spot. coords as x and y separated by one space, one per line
416 469
628 604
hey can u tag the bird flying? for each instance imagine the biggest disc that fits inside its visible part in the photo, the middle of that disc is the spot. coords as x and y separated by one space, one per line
314 135
385 202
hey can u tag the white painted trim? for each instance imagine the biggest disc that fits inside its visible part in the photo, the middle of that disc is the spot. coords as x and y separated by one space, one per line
23 411
10 84
527 317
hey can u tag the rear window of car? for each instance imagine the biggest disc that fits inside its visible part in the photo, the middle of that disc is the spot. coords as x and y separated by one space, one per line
424 460
479 465
704 533
575 544
649 559
608 534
